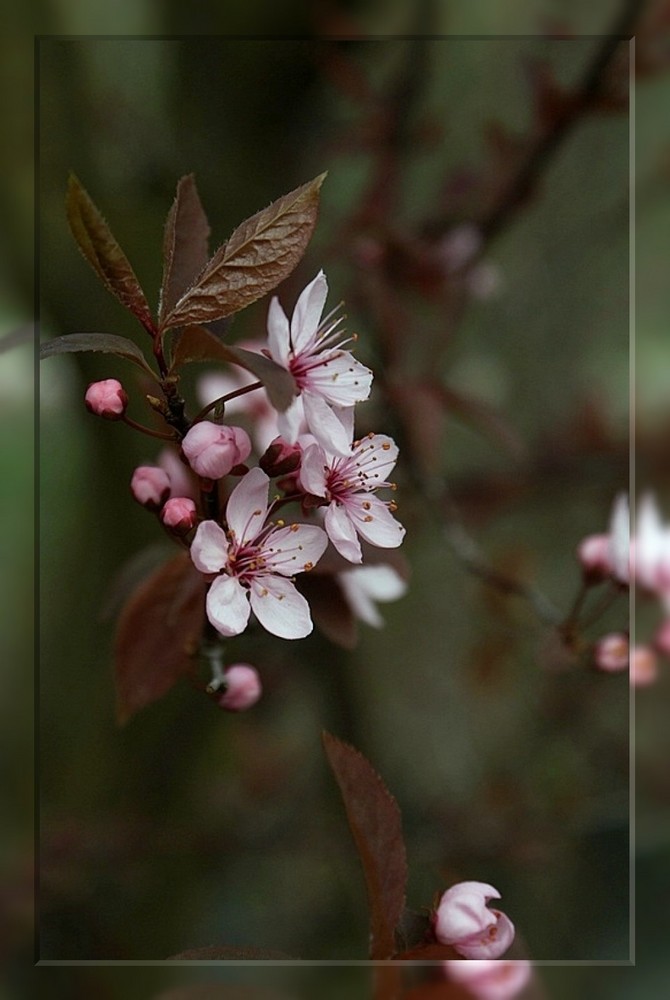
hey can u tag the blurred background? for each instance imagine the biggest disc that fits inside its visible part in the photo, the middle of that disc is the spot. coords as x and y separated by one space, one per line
483 250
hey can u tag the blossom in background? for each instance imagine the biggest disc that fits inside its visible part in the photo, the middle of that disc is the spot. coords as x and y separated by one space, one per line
608 554
643 666
255 405
464 921
252 562
150 486
243 688
330 380
182 481
650 550
490 979
348 485
363 586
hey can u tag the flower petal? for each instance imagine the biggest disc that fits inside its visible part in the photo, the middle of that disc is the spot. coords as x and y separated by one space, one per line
357 597
493 943
313 470
342 533
620 538
374 522
291 421
307 312
279 341
209 548
280 608
376 456
294 549
247 506
325 425
227 605
339 378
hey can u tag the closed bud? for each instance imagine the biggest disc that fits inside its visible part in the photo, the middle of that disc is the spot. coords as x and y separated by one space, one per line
464 921
594 555
243 688
643 666
212 450
179 515
611 652
106 399
280 458
150 486
490 979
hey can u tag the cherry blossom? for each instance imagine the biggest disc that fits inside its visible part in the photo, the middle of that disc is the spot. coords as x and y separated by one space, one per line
253 561
330 380
464 921
363 586
348 485
490 979
651 549
254 406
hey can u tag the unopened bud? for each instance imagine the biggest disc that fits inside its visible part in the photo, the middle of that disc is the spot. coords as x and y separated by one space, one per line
280 458
150 486
212 450
594 555
179 515
611 653
106 399
643 666
243 688
490 979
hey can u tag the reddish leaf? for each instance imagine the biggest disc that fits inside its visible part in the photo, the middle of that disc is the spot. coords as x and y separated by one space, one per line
158 633
185 244
103 253
106 343
197 344
259 254
224 953
374 820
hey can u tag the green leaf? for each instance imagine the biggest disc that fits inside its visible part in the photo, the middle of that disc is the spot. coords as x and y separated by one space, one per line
158 634
185 245
103 253
374 820
196 343
105 343
257 257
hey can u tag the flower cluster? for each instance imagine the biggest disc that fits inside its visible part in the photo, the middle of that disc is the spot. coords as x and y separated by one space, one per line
643 562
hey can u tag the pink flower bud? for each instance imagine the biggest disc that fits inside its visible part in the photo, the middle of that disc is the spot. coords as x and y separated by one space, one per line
106 399
464 921
643 666
179 515
611 652
281 458
662 638
243 688
593 553
150 486
213 450
490 980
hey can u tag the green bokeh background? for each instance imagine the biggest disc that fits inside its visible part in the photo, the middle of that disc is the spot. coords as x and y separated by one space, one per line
189 827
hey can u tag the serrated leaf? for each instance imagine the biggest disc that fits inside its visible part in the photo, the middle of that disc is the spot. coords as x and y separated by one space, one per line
99 247
196 343
375 823
105 343
158 633
226 953
257 257
185 244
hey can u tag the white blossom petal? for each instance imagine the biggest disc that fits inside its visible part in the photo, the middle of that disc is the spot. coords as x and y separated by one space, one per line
340 379
620 538
279 341
209 548
342 533
291 420
307 312
228 606
280 608
376 456
374 522
294 549
247 506
313 470
381 583
492 944
325 425
358 599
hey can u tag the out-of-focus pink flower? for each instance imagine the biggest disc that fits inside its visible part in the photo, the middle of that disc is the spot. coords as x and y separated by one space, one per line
213 450
643 666
253 561
490 979
464 921
330 380
611 653
593 553
106 399
182 481
609 554
459 246
651 549
243 688
348 484
363 586
179 514
255 405
281 458
150 486
662 638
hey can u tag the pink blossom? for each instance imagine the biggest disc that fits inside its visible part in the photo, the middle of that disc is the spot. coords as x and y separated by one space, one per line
611 652
106 399
489 979
179 514
593 553
643 666
365 585
464 921
150 486
609 554
651 549
253 562
182 481
213 450
662 638
348 485
329 380
243 688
